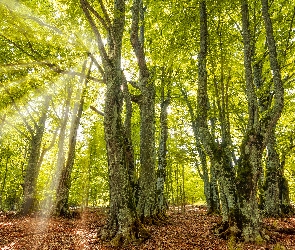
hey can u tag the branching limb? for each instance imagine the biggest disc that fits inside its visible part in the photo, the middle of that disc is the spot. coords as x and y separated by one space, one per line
18 130
105 13
100 69
134 84
135 40
102 50
97 15
29 128
31 117
97 111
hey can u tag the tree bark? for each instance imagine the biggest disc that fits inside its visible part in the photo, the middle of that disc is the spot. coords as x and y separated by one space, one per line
271 203
209 177
123 226
32 170
217 153
274 175
259 131
64 184
146 208
249 168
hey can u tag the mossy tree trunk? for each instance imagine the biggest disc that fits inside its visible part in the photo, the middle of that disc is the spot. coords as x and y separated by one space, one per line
123 226
249 171
146 205
208 176
259 130
271 203
275 199
217 152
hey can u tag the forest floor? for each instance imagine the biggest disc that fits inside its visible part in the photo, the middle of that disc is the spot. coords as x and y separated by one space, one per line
189 230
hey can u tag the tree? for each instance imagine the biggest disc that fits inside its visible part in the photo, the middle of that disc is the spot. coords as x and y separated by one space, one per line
32 170
123 226
64 182
258 130
146 198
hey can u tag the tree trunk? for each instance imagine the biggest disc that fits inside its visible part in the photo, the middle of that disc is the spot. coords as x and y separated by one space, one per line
123 226
209 178
214 197
218 154
146 207
271 204
259 132
249 167
147 178
64 184
249 172
60 161
32 170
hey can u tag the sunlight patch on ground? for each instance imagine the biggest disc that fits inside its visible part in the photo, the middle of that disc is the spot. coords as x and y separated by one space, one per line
9 247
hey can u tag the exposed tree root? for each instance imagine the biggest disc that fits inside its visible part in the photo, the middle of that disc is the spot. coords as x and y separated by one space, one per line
231 232
156 219
123 236
225 231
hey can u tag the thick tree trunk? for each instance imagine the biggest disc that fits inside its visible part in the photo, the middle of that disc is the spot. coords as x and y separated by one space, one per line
32 170
147 178
214 197
259 131
217 152
275 196
284 194
123 226
146 205
249 167
249 171
272 174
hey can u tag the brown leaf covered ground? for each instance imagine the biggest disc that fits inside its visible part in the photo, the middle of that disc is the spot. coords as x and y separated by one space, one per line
189 230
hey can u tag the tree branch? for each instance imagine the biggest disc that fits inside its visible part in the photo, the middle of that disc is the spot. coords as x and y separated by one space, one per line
102 50
134 84
97 111
100 69
135 41
18 130
105 13
99 17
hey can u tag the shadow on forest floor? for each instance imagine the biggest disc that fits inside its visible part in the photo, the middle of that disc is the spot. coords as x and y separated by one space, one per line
189 230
